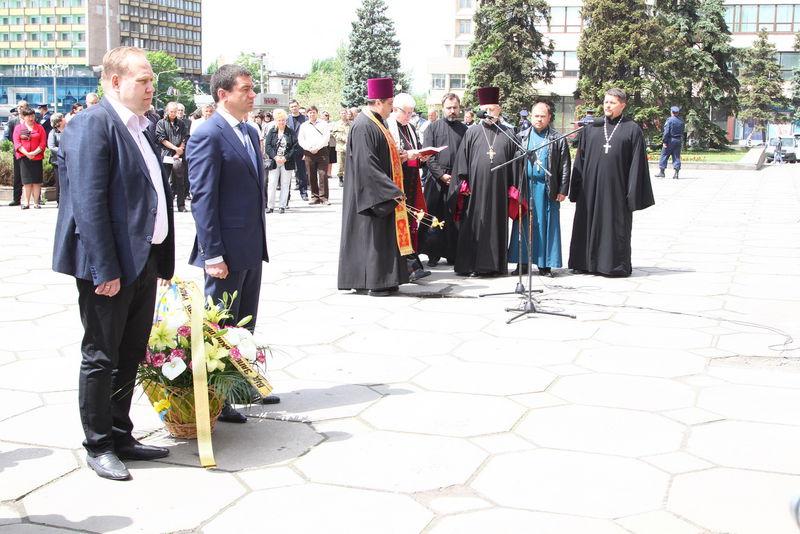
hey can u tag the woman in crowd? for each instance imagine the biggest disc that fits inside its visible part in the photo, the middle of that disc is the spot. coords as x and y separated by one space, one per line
76 108
53 141
280 146
29 144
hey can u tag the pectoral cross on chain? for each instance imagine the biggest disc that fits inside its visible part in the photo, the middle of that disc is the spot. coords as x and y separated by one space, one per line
607 146
491 154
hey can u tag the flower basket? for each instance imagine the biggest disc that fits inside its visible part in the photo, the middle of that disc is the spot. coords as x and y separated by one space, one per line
179 418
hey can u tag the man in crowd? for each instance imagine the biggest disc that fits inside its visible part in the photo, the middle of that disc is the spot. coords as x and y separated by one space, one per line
13 122
339 131
314 137
44 118
171 134
92 99
448 131
226 174
206 112
524 123
479 196
375 231
469 118
673 137
544 193
115 235
295 120
354 111
610 180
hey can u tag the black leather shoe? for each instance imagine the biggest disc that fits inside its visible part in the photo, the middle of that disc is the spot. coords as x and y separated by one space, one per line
270 399
433 262
229 415
382 292
419 273
108 465
14 203
660 174
524 266
182 209
140 451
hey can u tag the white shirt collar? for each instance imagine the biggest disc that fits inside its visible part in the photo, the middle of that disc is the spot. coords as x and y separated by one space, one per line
129 118
230 119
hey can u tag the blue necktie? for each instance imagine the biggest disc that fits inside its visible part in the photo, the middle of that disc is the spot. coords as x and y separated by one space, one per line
249 145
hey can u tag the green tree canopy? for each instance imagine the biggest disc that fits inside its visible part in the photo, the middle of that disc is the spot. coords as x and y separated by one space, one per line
761 95
252 63
795 83
509 52
324 84
169 84
373 52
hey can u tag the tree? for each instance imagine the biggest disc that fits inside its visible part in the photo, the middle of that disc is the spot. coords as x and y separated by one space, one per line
509 52
323 86
373 52
761 96
620 46
169 85
252 62
695 71
795 83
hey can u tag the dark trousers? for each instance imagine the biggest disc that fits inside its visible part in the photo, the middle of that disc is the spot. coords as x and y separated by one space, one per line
177 180
55 179
673 149
17 181
248 284
317 170
116 330
300 174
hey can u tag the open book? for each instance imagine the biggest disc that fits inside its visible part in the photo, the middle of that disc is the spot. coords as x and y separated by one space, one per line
430 150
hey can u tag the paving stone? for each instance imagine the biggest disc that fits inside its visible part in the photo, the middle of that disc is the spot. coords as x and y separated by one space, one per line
748 445
425 321
27 528
537 400
500 443
397 342
780 376
444 414
752 403
516 351
653 337
26 375
677 462
572 483
316 508
658 523
57 426
16 402
7 357
567 369
392 461
10 513
643 362
270 477
602 430
639 393
693 416
543 327
450 505
483 378
26 468
147 497
306 400
25 336
730 500
505 521
356 368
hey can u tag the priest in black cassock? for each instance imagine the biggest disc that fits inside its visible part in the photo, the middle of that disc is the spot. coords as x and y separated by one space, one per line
375 229
478 196
610 180
447 131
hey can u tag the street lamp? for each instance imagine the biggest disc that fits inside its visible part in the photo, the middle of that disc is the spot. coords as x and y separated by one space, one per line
262 56
156 84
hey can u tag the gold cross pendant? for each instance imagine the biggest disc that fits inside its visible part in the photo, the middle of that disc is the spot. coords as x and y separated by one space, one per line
491 154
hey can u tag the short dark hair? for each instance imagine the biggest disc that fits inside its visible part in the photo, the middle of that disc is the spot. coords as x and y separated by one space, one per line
619 94
27 111
450 96
551 109
75 106
225 78
293 101
309 108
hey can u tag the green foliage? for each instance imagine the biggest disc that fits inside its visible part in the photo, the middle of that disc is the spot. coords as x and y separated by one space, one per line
324 84
213 67
694 71
161 63
252 63
421 102
509 52
761 96
795 84
373 52
621 46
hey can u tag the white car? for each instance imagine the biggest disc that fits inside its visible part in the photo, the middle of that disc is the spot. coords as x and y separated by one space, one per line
789 147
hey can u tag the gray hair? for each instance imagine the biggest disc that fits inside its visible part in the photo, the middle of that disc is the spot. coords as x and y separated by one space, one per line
279 114
55 119
403 100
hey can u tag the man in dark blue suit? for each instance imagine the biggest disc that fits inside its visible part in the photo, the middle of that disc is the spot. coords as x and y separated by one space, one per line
295 120
115 235
226 177
673 137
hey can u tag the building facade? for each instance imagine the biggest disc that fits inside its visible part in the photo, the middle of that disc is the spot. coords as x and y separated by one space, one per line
48 47
780 19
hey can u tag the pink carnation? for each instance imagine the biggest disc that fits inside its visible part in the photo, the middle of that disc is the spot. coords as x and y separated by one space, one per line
148 357
185 331
260 358
158 359
177 353
235 354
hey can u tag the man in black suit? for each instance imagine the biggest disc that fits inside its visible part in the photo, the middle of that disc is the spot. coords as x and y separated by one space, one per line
295 120
115 235
13 122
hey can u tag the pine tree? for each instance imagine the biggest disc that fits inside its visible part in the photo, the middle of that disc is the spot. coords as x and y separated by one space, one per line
761 96
509 52
620 46
373 52
795 84
694 73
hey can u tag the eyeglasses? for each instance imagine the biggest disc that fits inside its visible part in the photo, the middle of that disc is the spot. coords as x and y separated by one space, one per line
404 112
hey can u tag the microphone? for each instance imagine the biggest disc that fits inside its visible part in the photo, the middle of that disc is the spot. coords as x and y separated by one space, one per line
484 114
593 121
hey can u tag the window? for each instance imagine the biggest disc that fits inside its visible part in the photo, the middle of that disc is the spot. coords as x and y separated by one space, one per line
66 36
35 20
566 64
438 81
460 50
565 19
784 18
66 19
49 20
458 81
464 26
464 4
66 52
4 37
49 36
788 62
35 52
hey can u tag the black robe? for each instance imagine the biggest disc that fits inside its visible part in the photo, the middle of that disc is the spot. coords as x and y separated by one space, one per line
483 225
607 188
368 253
438 242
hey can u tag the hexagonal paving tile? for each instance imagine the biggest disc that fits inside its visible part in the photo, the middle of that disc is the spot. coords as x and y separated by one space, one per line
572 483
147 498
444 414
392 461
27 528
542 327
504 521
316 508
56 426
396 342
16 402
639 393
604 430
307 400
748 445
483 378
653 337
489 349
26 468
355 368
753 403
731 500
643 362
41 374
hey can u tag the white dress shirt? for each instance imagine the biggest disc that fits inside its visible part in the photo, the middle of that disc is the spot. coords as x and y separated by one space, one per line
136 125
314 136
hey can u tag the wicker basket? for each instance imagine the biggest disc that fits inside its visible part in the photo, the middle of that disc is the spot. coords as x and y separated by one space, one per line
180 419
